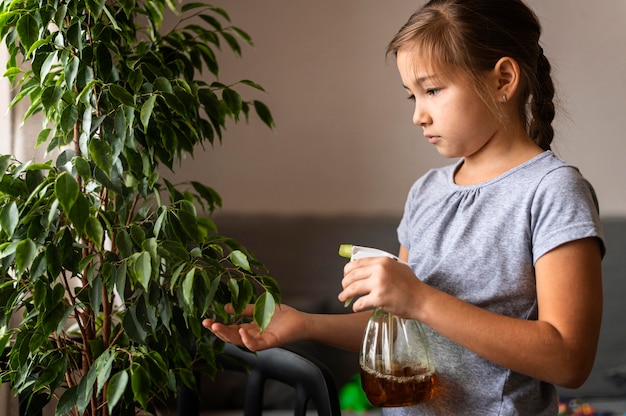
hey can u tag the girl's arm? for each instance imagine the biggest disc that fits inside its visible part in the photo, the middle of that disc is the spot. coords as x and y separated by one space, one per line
558 348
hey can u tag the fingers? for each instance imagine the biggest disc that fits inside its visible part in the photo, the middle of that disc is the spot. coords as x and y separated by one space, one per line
244 335
364 268
227 333
378 282
362 276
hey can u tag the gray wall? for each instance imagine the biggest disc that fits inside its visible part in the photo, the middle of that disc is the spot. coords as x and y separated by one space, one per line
344 143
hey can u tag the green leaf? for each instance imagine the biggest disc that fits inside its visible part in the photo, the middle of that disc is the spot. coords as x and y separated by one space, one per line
112 18
264 309
5 161
264 113
165 312
252 84
211 21
158 224
66 191
190 6
82 168
80 214
5 16
25 253
244 297
209 194
9 219
232 42
155 12
132 327
124 243
163 84
95 292
85 388
27 30
187 377
42 137
50 96
11 72
270 285
188 287
215 283
176 275
104 67
121 95
136 79
94 231
243 35
71 70
233 287
74 35
103 365
142 268
101 153
116 388
239 259
53 260
67 402
60 14
140 382
232 100
53 372
47 66
86 92
189 223
69 117
137 234
150 245
95 7
146 111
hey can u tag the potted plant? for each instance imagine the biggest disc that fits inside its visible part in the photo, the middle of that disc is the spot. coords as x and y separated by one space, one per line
108 268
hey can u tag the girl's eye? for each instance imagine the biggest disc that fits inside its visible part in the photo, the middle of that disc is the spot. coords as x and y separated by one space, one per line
433 91
411 97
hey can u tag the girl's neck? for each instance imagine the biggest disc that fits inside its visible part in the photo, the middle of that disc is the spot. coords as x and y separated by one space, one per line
493 161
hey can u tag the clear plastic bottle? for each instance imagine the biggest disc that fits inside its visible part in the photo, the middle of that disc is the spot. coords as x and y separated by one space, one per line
396 363
395 359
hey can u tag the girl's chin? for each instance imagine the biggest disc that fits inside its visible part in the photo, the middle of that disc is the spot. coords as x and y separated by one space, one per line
447 153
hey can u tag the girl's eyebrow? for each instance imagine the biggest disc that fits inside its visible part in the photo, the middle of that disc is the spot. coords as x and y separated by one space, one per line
425 78
421 80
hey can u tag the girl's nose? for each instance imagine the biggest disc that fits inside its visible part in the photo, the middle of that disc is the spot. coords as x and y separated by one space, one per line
420 116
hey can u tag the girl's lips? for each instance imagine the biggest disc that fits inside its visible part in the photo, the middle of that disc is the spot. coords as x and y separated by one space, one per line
432 139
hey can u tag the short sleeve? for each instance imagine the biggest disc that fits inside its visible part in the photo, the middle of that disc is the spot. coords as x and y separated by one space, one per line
564 209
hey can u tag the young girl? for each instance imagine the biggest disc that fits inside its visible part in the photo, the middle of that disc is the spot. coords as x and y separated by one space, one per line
504 246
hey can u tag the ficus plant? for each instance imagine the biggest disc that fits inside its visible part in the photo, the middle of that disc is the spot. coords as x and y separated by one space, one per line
107 269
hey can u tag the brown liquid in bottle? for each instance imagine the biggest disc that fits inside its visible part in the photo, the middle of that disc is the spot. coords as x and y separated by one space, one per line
404 387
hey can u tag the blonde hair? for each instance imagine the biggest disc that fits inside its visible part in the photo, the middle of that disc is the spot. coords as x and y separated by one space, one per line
471 36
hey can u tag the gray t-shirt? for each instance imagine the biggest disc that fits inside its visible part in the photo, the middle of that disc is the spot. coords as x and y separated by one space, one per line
480 243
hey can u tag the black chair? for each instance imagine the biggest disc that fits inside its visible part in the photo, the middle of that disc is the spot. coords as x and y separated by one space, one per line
310 378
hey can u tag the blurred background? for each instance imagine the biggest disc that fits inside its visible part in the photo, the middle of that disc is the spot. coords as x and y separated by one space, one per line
344 142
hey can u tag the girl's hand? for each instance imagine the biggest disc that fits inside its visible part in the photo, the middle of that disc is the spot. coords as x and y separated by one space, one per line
382 283
287 325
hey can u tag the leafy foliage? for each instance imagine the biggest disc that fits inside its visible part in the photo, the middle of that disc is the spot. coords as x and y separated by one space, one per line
111 267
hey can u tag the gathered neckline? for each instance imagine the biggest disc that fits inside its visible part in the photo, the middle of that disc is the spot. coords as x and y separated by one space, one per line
498 178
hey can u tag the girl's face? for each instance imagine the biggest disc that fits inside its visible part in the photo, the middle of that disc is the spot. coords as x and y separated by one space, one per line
453 117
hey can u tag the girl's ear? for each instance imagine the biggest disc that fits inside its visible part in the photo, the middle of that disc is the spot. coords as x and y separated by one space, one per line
507 74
